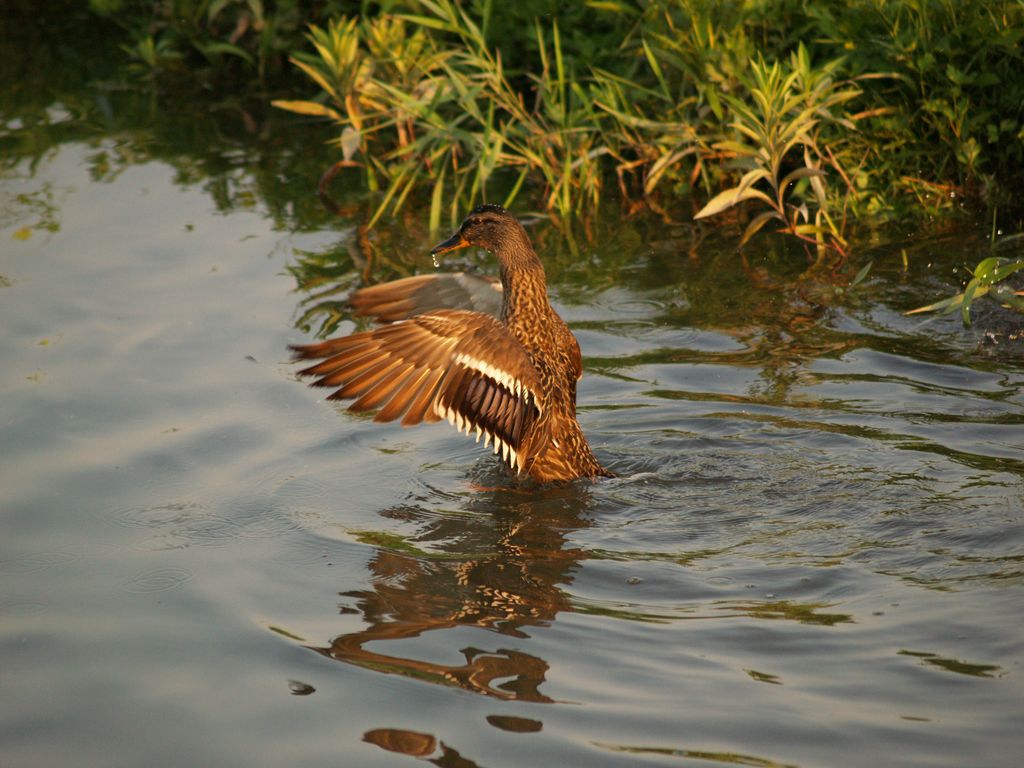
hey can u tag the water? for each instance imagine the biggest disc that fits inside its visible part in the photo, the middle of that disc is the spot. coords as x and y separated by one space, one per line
813 554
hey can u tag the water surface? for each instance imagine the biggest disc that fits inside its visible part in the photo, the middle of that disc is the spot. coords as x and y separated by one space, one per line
813 554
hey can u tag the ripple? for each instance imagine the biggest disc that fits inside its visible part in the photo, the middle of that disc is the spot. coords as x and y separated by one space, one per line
178 525
270 527
158 580
258 521
295 490
35 561
159 515
302 550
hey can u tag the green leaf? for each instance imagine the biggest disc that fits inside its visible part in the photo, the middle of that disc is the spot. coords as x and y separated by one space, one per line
210 50
958 77
863 273
799 173
307 108
426 21
314 75
811 229
730 197
744 150
714 102
515 188
945 306
655 67
757 223
662 164
215 8
719 203
1004 271
965 306
986 267
750 177
613 7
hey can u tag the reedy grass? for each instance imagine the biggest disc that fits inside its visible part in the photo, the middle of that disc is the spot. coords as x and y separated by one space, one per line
782 111
888 107
454 118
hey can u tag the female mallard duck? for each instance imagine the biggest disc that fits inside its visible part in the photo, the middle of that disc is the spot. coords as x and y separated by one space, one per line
505 366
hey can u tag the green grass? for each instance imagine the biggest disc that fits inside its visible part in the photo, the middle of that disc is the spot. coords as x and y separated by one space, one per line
791 115
888 107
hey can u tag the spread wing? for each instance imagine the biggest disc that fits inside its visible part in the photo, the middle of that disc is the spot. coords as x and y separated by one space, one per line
410 296
451 364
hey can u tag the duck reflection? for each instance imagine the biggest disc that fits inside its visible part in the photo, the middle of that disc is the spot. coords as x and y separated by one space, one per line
501 568
420 745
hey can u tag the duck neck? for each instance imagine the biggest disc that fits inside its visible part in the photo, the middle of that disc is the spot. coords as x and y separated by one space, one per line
523 282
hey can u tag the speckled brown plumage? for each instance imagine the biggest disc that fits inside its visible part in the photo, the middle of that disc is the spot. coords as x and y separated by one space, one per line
510 379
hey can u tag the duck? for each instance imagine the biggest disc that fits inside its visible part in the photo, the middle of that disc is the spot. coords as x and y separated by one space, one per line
491 357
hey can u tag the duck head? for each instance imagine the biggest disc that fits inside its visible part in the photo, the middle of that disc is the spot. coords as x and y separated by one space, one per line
490 227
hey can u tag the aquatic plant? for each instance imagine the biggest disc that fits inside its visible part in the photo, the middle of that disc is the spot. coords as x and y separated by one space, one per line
209 36
780 112
449 102
452 115
986 279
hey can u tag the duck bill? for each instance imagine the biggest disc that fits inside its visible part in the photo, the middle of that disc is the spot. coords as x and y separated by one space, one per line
454 242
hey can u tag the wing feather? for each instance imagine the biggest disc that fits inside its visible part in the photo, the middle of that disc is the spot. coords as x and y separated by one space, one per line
345 371
383 390
421 408
423 294
457 365
366 380
403 396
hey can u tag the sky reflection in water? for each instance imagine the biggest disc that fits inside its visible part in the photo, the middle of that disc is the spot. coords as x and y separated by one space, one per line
811 555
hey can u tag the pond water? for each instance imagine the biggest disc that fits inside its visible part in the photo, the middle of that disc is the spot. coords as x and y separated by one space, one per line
813 553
